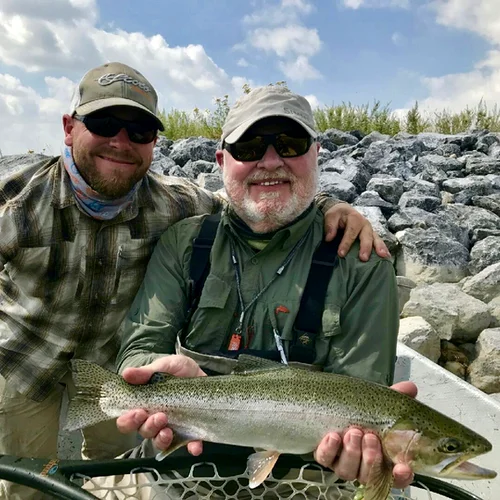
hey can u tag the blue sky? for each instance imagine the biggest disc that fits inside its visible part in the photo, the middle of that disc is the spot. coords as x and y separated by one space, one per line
443 53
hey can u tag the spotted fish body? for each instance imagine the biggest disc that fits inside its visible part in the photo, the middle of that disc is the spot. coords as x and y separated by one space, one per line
286 410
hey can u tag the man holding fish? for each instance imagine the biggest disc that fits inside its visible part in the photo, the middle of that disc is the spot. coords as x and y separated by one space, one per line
77 231
260 264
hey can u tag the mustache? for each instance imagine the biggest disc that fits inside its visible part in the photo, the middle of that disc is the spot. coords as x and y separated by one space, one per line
128 157
278 175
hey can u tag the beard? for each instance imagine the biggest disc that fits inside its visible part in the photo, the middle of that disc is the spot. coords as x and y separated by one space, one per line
270 212
115 183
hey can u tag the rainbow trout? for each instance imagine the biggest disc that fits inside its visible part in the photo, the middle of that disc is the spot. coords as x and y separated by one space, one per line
286 410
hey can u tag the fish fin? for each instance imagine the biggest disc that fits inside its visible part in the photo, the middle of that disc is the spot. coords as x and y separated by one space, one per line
84 408
248 364
179 440
260 465
380 480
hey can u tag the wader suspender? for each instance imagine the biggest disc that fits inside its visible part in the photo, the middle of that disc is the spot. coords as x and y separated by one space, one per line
309 318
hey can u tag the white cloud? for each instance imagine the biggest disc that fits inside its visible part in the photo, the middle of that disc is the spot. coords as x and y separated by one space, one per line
62 39
278 29
457 91
286 41
286 12
299 70
376 4
479 16
243 63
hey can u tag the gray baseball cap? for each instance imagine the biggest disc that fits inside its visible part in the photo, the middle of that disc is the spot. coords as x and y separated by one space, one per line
263 102
115 84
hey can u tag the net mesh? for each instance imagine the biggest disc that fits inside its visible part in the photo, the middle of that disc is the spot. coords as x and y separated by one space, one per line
205 481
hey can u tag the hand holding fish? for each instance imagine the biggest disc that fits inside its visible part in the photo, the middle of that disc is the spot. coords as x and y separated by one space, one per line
360 450
155 426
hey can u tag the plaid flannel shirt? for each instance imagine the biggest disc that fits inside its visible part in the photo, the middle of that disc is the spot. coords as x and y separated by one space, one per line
67 280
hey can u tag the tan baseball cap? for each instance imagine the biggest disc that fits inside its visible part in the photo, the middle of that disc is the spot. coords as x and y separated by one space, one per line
115 84
263 102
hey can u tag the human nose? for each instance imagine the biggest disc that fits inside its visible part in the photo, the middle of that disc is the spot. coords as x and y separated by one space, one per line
121 139
271 159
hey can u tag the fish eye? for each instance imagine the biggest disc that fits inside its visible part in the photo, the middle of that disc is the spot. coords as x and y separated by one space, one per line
450 445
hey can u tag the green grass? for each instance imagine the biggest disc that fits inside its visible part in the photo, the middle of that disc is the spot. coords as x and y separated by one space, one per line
345 116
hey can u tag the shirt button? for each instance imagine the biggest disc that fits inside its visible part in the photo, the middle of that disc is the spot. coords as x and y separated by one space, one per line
255 260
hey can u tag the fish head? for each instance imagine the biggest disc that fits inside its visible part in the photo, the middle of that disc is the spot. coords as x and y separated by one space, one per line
437 447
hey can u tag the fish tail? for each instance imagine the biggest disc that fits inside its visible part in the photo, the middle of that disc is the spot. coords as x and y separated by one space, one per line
92 386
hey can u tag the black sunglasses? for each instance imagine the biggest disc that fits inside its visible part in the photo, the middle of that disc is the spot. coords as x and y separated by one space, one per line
108 126
254 148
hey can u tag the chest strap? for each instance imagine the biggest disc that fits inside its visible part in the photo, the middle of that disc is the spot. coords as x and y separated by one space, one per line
308 322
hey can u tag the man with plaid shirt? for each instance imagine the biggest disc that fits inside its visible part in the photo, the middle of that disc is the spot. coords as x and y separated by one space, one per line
77 233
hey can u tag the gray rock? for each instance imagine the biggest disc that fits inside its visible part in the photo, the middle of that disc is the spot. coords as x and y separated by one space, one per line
454 315
482 167
485 142
420 336
332 184
403 169
414 217
428 256
421 187
379 154
326 143
484 371
481 233
490 202
485 285
433 140
470 218
194 168
212 182
409 147
484 253
433 174
340 138
379 224
422 201
438 162
389 188
193 148
479 185
373 199
323 156
163 145
494 309
335 164
358 174
161 164
372 137
448 150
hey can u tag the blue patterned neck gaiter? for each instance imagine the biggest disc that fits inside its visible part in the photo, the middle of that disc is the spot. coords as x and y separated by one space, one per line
90 201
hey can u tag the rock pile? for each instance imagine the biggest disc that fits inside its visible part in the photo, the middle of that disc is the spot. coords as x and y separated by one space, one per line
435 200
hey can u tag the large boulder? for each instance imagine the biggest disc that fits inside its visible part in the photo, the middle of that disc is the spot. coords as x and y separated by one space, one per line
484 371
428 256
418 334
453 314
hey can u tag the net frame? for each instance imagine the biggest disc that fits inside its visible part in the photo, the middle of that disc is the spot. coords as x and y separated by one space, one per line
63 478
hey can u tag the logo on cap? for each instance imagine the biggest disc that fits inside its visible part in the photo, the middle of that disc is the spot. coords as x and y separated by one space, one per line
110 78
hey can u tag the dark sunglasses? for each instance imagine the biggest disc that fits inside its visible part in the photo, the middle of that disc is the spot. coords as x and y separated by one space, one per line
109 126
254 148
